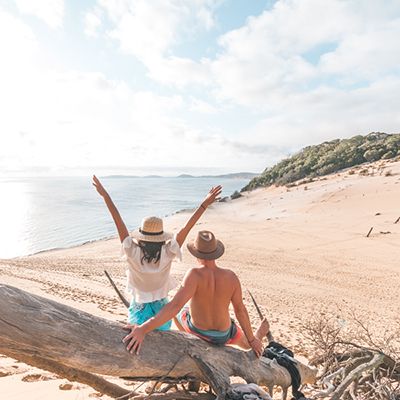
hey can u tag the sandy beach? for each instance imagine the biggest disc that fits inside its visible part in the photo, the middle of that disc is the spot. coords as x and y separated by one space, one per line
301 250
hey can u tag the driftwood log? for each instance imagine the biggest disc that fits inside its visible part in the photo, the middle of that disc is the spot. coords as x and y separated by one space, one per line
78 345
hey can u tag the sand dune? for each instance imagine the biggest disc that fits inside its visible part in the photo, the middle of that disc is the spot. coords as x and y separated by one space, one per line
300 250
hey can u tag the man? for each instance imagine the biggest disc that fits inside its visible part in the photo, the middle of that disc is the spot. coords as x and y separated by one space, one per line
211 290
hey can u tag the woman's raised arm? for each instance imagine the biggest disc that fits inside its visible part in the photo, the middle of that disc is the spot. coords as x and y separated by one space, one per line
209 199
119 223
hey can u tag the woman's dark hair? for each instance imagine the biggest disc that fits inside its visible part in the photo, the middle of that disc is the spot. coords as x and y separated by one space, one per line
151 251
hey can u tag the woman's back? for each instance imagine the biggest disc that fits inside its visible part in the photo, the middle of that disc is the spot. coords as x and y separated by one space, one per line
150 280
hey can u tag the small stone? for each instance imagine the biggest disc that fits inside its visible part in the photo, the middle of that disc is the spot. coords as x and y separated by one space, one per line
65 386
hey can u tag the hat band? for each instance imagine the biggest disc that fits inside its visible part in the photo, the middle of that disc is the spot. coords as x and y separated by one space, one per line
206 252
150 233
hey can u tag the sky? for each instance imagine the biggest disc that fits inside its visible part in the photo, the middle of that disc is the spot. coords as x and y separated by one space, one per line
190 86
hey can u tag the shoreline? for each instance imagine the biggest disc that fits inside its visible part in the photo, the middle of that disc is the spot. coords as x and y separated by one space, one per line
91 241
38 222
105 238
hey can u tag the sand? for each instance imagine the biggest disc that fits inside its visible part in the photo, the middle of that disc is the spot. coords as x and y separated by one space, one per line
302 251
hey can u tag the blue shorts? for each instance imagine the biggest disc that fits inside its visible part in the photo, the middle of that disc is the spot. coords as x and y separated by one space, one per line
139 313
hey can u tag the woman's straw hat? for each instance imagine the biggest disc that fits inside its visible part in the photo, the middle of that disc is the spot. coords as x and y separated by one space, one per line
152 230
206 246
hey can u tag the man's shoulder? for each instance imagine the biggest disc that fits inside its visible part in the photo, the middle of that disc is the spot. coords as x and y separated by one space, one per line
201 272
228 274
194 272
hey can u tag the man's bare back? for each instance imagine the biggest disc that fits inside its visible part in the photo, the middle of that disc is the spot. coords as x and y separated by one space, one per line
212 289
210 303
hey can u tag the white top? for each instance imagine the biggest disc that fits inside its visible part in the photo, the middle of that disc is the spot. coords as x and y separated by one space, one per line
152 281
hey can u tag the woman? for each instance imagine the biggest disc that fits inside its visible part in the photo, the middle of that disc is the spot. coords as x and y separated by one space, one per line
149 253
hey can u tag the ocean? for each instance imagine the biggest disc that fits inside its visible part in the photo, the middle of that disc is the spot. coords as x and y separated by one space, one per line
43 213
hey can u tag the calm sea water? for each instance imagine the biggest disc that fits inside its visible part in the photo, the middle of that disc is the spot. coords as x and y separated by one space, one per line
44 213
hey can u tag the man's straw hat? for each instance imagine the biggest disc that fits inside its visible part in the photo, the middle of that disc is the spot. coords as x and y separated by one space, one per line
206 246
152 230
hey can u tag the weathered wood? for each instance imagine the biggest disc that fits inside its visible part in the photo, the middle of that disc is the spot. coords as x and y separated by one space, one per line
119 294
73 375
36 327
270 338
175 396
355 374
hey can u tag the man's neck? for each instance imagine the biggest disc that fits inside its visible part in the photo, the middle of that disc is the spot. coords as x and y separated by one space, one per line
208 263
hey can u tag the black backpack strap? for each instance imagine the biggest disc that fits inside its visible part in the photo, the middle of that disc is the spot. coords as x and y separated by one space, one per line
284 357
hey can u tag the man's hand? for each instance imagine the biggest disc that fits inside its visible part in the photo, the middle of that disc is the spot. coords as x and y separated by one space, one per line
257 346
99 187
212 196
135 338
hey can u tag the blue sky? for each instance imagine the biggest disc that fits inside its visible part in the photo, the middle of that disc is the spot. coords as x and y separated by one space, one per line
190 86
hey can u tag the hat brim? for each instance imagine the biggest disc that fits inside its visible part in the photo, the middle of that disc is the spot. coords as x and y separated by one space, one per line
217 253
163 237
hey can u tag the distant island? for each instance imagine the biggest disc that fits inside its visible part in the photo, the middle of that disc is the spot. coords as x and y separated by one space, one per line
235 175
329 157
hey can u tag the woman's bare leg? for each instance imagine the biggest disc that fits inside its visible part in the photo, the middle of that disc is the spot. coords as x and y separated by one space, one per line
178 324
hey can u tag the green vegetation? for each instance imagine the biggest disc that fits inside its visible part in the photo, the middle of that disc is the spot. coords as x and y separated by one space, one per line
329 157
235 195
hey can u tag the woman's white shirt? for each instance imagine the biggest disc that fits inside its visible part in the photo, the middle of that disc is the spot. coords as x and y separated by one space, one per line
150 281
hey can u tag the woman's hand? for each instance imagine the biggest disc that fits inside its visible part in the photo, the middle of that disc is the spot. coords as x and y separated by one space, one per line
119 223
99 187
135 338
212 196
209 199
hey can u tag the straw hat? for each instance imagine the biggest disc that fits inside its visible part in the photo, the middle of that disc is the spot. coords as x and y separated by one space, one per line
206 246
151 230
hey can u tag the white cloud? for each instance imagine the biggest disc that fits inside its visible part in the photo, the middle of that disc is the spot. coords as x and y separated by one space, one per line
367 55
201 106
93 22
55 121
85 120
149 30
23 42
314 70
50 11
299 73
328 113
268 58
179 72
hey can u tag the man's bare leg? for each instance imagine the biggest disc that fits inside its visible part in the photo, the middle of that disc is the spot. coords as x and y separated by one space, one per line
262 329
260 333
